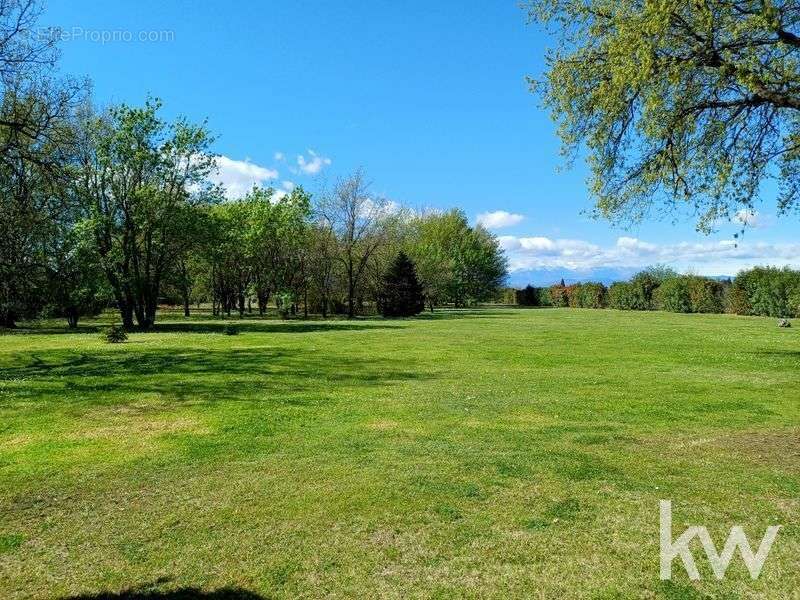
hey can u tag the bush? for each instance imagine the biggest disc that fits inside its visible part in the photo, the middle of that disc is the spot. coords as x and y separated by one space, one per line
705 295
769 291
673 296
736 302
622 296
558 295
794 303
528 296
114 335
593 295
573 294
230 329
643 287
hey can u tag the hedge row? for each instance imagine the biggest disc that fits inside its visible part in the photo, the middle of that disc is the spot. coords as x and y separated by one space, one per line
763 291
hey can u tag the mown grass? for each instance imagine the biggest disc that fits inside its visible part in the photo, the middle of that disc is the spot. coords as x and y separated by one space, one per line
496 453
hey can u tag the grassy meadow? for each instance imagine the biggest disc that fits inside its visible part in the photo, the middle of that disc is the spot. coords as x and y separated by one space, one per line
491 453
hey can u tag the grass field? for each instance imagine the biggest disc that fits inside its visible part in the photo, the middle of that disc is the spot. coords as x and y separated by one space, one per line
495 453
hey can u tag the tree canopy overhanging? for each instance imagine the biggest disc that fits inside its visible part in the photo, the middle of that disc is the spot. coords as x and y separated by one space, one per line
676 103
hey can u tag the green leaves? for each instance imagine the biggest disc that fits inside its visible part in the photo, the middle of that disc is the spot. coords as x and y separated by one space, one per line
677 104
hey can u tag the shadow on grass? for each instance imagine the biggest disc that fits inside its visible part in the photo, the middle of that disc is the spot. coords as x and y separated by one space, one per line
195 375
218 327
462 313
228 593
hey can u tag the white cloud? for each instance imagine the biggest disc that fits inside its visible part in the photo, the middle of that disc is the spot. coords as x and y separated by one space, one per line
751 218
723 257
279 156
499 219
313 164
383 208
239 176
287 185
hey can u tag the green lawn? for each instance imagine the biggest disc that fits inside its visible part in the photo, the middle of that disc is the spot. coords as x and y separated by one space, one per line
503 453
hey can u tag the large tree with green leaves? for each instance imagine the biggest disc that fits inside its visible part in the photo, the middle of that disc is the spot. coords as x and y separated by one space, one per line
692 104
455 262
136 174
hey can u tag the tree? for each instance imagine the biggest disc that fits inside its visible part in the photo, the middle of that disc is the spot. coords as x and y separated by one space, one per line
137 173
456 263
36 147
78 286
689 104
322 266
432 245
355 217
401 295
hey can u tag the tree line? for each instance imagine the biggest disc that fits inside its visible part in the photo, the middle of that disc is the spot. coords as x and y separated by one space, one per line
130 219
117 207
761 291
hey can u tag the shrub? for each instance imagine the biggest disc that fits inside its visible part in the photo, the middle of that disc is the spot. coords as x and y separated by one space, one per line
593 295
230 329
736 301
544 297
643 287
114 335
622 296
284 301
794 303
558 295
673 296
528 296
401 295
705 295
573 294
768 290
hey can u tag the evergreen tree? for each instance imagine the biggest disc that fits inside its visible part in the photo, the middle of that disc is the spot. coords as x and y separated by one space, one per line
402 292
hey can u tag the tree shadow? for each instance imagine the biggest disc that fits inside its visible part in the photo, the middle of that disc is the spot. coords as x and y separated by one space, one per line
187 593
195 375
218 327
462 313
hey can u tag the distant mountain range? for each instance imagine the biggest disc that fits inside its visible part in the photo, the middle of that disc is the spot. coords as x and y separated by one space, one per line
547 277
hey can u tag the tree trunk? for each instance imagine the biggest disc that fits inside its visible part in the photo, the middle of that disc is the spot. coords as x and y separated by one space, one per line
8 320
72 318
126 314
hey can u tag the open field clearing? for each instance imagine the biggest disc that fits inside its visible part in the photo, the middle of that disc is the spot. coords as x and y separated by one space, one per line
494 453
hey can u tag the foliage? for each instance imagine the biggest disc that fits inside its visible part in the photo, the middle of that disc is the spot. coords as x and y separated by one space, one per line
115 334
690 294
622 295
401 295
230 329
678 103
529 296
456 263
77 284
592 295
137 173
558 295
673 296
766 291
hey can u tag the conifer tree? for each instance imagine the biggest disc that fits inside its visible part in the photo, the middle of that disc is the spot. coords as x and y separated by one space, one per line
402 292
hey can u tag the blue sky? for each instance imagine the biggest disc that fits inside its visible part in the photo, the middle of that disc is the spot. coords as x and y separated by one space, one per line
429 98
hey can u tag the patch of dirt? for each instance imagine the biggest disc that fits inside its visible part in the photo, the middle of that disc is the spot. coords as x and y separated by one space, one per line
776 447
139 428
